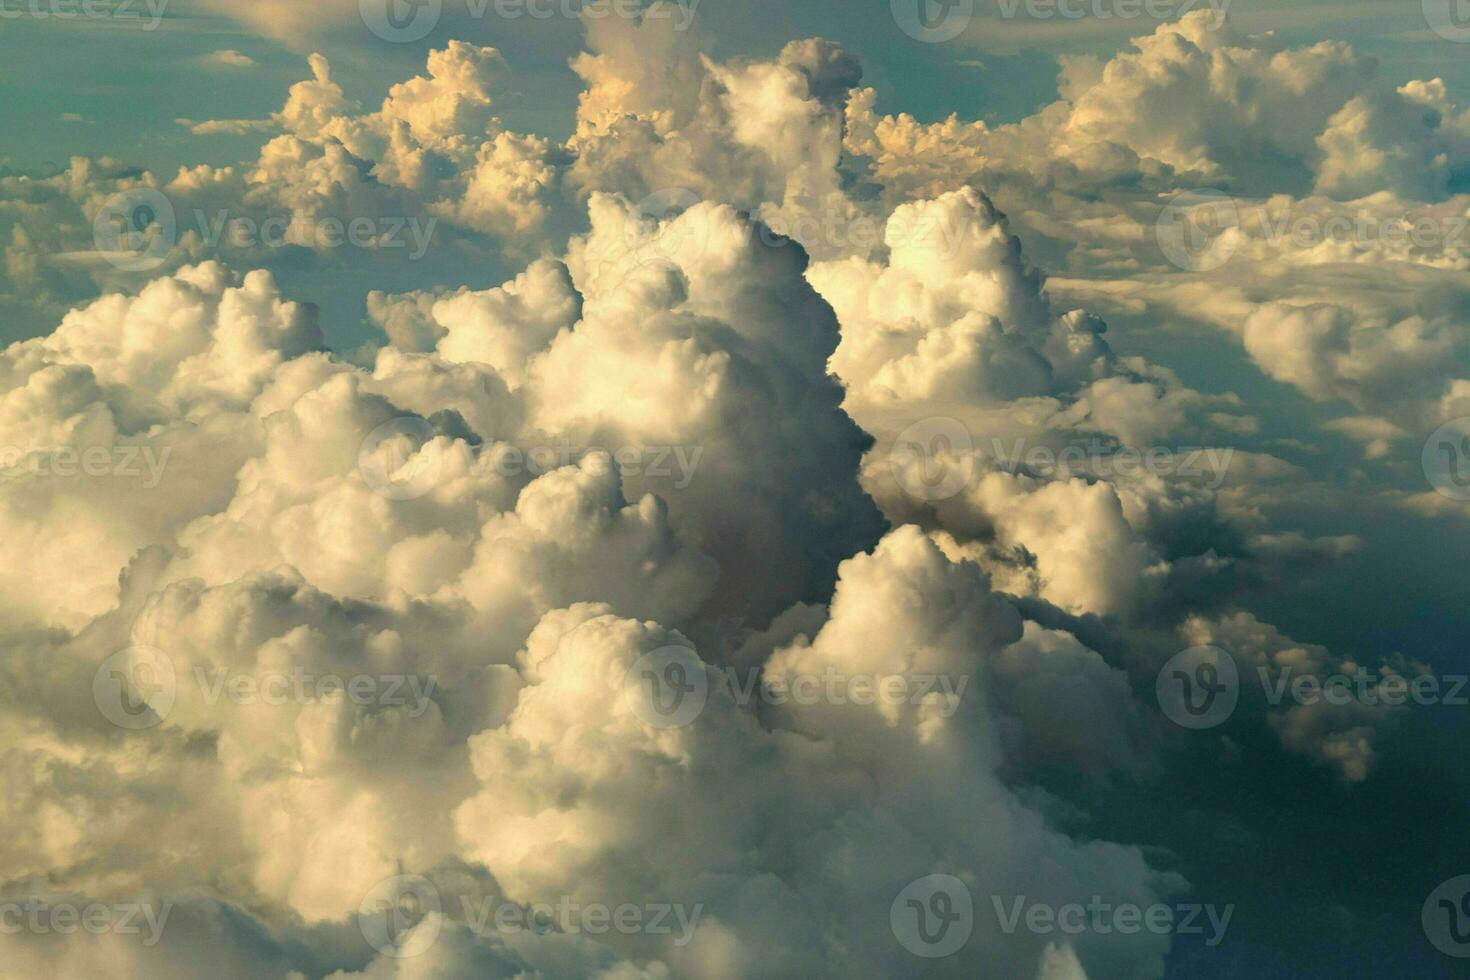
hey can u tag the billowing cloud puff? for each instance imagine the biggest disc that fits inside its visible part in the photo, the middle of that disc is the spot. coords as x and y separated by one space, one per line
956 316
1196 103
434 146
145 392
432 168
775 540
643 820
766 136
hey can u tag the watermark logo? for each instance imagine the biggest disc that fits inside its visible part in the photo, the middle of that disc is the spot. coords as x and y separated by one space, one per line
827 229
1114 462
1446 917
136 229
662 208
667 687
1446 459
131 462
943 693
401 916
150 10
930 458
932 21
1364 687
1191 230
1450 19
1199 687
401 21
1201 231
1106 918
681 12
135 688
305 687
405 21
39 916
656 234
933 916
1159 10
486 916
400 459
377 234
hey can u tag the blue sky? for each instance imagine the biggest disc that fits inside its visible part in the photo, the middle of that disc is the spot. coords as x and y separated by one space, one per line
130 84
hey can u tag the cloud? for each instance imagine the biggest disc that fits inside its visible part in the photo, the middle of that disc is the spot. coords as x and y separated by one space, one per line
230 58
227 127
778 397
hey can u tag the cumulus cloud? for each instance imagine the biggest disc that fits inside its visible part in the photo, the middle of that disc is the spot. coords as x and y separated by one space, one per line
778 398
230 58
432 168
512 606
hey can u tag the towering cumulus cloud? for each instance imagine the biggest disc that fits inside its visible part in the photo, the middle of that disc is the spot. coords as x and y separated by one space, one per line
750 537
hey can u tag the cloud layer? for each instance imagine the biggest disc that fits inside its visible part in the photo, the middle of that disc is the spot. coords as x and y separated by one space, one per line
790 548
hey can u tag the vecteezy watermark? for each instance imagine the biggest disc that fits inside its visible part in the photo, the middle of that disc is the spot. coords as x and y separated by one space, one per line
1191 230
936 230
150 10
935 459
669 688
1106 918
1450 19
839 687
665 227
931 459
932 21
1099 459
401 21
681 12
1446 917
301 686
97 462
41 917
279 231
1160 10
406 21
1198 688
137 229
658 232
933 916
404 458
1364 687
402 916
138 687
1202 230
486 916
1446 459
135 688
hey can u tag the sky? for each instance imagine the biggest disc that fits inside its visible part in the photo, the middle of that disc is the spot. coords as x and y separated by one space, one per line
130 83
725 488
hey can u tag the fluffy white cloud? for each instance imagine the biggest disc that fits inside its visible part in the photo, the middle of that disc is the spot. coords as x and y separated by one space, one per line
684 430
649 816
766 136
